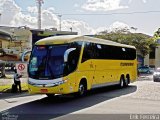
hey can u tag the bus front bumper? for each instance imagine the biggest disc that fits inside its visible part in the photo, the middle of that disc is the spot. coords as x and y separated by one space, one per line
60 87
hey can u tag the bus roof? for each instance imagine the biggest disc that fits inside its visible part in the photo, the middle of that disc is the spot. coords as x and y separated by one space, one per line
71 38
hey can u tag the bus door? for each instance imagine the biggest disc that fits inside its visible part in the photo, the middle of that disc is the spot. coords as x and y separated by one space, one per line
87 65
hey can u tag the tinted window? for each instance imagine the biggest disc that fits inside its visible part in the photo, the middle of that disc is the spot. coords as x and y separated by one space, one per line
87 53
73 57
48 61
101 51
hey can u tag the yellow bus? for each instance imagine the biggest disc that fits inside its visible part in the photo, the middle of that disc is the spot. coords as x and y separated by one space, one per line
74 64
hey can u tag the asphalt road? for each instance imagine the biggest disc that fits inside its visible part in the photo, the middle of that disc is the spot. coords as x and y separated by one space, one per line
133 102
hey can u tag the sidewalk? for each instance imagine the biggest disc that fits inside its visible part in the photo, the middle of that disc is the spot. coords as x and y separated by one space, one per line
6 85
8 94
9 80
13 95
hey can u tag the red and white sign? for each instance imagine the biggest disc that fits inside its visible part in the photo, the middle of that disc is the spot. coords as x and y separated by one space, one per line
21 68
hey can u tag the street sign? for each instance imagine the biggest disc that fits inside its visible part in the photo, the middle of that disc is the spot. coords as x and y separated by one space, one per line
21 68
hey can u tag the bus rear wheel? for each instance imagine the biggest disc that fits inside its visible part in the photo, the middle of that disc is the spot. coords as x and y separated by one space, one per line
122 82
127 81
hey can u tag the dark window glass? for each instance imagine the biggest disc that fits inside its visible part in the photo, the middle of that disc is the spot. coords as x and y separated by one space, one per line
48 61
101 51
88 51
73 57
152 53
131 53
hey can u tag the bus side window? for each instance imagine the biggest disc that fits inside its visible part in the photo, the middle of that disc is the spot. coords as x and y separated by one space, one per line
74 55
87 53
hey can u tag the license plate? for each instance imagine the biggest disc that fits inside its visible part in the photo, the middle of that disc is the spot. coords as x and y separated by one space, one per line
44 90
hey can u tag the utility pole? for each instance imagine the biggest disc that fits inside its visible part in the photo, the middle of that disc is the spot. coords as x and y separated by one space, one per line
39 2
59 22
0 17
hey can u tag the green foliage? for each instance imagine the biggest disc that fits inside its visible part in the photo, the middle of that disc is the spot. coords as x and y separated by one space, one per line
141 41
157 34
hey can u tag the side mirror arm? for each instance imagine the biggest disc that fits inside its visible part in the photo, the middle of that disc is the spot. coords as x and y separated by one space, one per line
24 54
67 53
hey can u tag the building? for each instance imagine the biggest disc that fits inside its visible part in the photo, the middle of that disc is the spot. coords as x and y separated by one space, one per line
16 40
153 59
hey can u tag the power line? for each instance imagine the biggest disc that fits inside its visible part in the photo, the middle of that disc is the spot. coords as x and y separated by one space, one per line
96 14
125 13
23 11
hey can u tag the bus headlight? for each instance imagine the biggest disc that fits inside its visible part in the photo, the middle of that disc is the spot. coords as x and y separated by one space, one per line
31 83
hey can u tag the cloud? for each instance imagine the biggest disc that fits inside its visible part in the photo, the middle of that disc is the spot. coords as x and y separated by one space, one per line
21 19
103 5
76 5
49 19
100 29
116 26
79 26
12 15
8 9
17 18
32 9
144 1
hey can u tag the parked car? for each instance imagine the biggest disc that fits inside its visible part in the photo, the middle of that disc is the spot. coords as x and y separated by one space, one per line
156 75
145 69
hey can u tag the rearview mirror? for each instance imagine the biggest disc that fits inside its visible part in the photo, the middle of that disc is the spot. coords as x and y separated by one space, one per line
67 52
24 54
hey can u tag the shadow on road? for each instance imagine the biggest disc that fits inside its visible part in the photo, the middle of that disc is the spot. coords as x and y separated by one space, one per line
61 105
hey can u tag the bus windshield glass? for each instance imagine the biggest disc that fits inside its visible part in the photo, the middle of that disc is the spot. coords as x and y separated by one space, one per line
47 62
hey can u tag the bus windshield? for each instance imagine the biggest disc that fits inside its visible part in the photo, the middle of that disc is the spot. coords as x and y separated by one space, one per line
47 62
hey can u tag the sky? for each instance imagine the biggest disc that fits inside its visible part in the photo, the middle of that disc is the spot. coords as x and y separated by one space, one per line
83 16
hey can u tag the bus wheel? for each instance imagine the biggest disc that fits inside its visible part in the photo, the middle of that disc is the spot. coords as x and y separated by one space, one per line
127 81
50 95
122 82
82 89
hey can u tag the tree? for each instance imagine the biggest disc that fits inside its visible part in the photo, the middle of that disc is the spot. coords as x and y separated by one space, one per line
157 36
157 33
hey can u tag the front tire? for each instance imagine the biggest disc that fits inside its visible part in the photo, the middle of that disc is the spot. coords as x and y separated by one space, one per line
81 90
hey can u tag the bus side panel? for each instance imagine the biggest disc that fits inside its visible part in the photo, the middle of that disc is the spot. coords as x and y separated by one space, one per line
110 71
86 71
